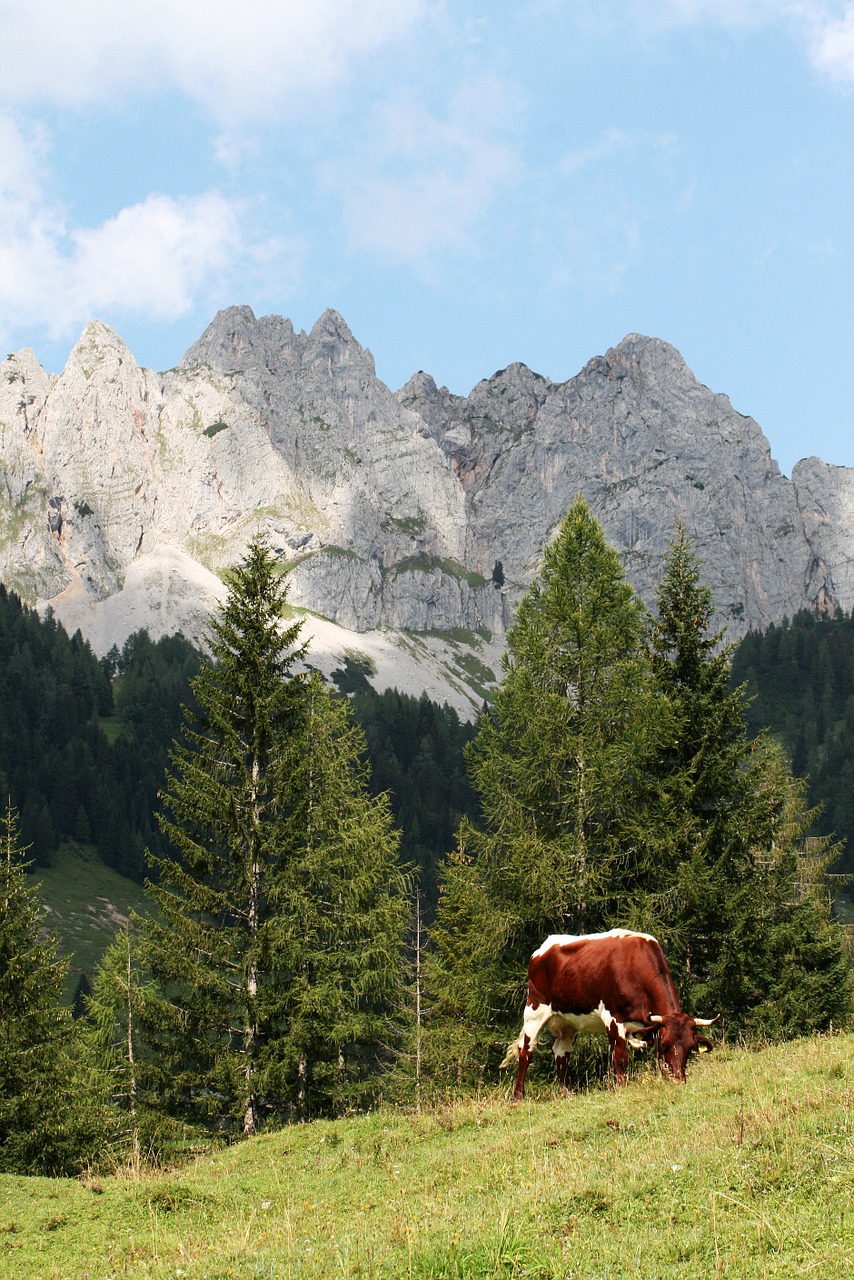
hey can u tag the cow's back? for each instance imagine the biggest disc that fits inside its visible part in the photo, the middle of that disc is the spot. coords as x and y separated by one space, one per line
625 972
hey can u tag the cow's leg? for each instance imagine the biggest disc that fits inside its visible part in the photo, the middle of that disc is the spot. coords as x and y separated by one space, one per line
525 1051
620 1053
561 1050
536 1017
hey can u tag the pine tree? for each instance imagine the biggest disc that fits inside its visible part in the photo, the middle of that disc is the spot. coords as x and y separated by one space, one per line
277 919
561 765
741 911
204 944
341 916
701 767
465 972
43 1119
113 1011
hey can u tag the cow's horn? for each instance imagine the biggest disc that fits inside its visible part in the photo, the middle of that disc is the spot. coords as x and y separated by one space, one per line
706 1022
655 1017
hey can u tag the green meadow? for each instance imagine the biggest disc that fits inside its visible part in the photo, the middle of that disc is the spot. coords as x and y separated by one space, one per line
746 1171
84 903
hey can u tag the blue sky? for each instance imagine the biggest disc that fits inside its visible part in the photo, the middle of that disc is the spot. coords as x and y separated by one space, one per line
469 182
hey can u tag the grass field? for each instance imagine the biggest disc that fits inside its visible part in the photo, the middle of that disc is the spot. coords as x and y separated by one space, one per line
745 1172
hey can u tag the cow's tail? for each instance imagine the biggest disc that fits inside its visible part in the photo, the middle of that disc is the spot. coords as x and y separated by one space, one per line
512 1054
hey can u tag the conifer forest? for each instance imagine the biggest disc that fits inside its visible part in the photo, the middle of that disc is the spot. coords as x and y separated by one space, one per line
343 888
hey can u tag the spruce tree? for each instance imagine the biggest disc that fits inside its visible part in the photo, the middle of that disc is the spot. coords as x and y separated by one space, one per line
206 944
47 1122
113 1010
562 768
700 770
341 916
740 907
276 939
465 974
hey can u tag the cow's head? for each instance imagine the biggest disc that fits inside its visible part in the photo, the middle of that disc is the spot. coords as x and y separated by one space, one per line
675 1038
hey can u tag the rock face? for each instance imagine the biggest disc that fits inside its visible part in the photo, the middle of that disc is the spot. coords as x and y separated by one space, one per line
393 512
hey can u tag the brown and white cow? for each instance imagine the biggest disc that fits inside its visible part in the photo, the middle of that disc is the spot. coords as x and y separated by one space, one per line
617 983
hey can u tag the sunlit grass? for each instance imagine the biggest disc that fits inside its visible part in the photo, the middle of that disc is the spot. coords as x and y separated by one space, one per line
747 1171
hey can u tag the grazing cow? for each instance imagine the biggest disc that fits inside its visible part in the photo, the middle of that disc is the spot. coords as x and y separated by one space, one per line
617 983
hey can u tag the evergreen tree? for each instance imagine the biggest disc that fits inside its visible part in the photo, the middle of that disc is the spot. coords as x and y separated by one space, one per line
739 910
800 677
277 919
701 767
341 916
562 768
463 973
113 1008
45 1117
416 752
206 943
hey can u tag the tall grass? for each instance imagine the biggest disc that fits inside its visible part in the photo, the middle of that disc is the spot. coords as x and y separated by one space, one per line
745 1172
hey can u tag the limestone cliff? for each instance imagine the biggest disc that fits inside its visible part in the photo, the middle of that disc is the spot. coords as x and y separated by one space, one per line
124 494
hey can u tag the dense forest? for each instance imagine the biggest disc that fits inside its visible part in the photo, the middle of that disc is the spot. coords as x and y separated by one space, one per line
416 750
799 681
84 742
285 965
84 745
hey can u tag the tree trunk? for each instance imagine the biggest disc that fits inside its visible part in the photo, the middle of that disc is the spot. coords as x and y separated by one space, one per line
132 1086
250 1036
418 1001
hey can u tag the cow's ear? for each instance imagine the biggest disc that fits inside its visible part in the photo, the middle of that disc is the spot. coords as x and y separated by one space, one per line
704 1045
648 1032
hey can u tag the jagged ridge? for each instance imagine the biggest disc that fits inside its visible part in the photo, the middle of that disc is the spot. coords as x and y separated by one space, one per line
125 493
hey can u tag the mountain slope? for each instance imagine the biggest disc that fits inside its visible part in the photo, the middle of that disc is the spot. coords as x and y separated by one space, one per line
410 522
746 1172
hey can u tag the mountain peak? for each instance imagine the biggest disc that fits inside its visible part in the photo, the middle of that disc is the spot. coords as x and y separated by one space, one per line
332 323
390 511
227 343
98 345
331 339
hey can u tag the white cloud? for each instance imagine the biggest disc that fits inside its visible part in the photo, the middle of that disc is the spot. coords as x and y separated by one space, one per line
154 257
420 184
239 61
231 149
832 43
159 258
825 28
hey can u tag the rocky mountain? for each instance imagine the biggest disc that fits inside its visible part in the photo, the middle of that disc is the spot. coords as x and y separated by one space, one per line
410 522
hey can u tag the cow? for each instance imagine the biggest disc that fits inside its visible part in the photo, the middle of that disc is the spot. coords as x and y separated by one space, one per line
617 983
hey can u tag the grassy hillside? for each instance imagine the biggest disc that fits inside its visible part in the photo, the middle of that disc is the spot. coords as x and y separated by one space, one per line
85 902
747 1171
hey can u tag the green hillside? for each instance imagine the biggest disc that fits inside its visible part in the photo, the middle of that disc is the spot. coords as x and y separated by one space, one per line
85 902
85 743
799 679
745 1172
